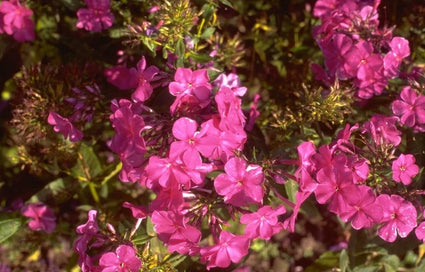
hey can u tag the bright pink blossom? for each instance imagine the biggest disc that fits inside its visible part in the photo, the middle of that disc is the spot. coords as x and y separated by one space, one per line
263 223
64 126
231 248
404 169
144 77
96 17
420 232
411 108
399 216
241 184
383 130
173 229
392 60
15 20
361 209
191 89
124 259
42 217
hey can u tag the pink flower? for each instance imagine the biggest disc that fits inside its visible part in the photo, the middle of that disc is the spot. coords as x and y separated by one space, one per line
263 223
392 60
241 184
383 130
411 108
122 77
97 17
144 77
42 217
16 20
172 229
64 126
231 248
420 232
361 62
123 260
185 130
404 169
362 209
191 88
399 216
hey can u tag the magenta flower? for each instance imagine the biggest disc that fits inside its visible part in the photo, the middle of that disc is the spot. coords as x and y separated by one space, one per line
185 130
263 223
42 217
97 17
241 184
361 62
172 229
361 209
145 75
399 216
411 108
191 88
231 248
15 20
124 259
392 60
420 232
404 169
229 108
64 126
122 77
383 130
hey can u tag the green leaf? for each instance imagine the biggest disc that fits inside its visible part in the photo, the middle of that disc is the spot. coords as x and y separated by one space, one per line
175 260
88 165
227 3
344 261
9 227
369 268
327 261
141 239
180 48
390 263
207 33
149 227
291 188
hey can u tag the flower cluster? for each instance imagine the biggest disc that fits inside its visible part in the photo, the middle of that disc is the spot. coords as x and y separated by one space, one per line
354 46
96 16
352 179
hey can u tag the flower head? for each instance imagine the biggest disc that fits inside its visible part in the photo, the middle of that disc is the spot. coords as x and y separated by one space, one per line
42 217
404 169
15 20
124 259
97 17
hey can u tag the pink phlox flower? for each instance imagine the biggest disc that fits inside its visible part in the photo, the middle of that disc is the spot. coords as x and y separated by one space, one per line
138 212
342 141
42 216
372 85
16 20
241 184
263 223
404 169
306 168
411 108
300 198
231 248
399 216
64 126
361 62
359 168
124 259
170 198
96 17
399 50
324 7
215 143
334 51
191 88
185 131
361 209
383 130
333 186
232 82
122 77
420 232
323 158
229 107
145 75
172 229
128 142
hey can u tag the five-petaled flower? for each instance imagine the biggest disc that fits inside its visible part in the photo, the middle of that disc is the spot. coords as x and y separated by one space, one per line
404 169
42 217
124 259
96 17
